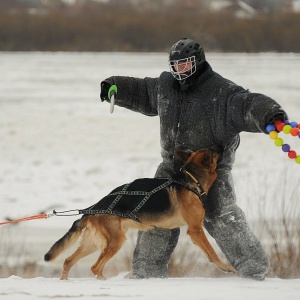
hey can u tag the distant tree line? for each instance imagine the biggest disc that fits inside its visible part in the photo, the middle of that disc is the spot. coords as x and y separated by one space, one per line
102 27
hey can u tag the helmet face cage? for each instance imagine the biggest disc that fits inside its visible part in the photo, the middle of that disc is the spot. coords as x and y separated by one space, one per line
183 68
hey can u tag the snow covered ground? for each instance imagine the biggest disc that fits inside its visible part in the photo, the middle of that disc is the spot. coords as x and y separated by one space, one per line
62 149
170 289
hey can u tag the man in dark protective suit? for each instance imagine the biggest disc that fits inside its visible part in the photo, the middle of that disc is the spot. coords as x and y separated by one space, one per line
198 108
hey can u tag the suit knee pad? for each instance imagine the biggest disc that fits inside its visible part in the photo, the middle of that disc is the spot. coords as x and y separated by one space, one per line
238 243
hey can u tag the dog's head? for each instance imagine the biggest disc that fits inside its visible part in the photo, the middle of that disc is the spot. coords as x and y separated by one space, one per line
201 164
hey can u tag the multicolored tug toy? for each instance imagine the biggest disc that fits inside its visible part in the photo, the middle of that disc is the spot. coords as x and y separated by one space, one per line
292 128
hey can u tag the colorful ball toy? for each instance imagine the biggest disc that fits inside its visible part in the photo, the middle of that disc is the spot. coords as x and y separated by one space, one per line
292 128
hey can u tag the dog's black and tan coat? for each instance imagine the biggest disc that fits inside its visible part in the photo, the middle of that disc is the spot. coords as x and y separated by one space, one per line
163 203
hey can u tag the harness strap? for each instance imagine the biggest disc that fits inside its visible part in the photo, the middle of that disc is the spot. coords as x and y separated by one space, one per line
202 197
107 212
40 216
119 194
132 215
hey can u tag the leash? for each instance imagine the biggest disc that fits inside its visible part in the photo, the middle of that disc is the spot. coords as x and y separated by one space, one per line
91 211
73 212
35 217
43 216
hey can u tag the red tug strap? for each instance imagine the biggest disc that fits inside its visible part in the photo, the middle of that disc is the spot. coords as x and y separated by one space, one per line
40 216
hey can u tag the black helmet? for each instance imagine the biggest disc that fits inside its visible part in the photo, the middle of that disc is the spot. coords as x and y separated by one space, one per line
185 58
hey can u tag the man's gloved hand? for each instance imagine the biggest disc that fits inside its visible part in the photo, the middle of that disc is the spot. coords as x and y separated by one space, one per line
281 116
105 86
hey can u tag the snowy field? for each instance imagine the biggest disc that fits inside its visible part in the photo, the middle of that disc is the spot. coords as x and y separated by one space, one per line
15 288
62 149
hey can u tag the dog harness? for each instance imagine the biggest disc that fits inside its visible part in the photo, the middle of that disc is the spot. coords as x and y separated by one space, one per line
142 195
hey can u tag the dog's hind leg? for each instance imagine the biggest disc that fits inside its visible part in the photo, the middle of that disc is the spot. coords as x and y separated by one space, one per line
85 248
114 244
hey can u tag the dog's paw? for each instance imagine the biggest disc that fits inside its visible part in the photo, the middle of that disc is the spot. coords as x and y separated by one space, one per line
226 268
64 276
229 269
100 277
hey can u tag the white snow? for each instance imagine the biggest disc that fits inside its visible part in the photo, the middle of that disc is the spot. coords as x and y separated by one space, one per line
62 149
173 288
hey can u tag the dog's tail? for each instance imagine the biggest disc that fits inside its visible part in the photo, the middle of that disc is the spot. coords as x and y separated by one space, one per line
67 240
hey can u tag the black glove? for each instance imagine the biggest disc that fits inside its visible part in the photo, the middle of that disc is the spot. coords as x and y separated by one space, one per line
280 116
105 86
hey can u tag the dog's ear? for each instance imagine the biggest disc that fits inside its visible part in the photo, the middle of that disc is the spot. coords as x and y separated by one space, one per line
206 159
210 158
184 154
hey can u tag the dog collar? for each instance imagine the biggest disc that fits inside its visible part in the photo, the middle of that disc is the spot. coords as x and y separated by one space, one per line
202 195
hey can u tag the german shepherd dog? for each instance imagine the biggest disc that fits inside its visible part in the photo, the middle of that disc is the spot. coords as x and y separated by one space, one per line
179 204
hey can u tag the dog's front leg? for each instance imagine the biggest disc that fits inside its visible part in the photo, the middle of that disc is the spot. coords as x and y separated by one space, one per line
198 237
193 213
